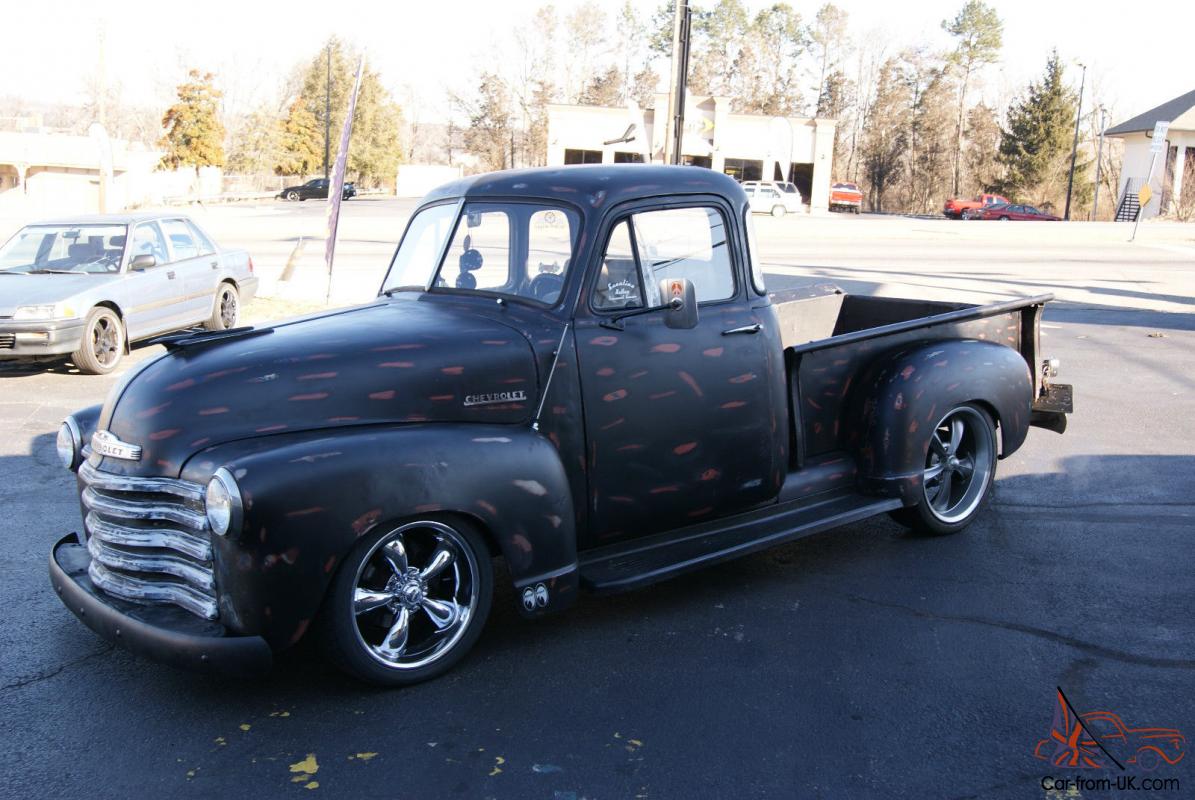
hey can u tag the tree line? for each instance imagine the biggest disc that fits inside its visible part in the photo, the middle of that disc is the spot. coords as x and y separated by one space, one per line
912 127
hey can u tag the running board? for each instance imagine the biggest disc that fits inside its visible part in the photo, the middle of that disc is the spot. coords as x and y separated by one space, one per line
630 565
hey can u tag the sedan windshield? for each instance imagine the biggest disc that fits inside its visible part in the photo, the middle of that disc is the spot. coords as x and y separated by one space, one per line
39 249
519 250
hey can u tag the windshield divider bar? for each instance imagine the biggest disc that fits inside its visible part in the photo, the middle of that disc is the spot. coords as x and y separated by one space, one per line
456 220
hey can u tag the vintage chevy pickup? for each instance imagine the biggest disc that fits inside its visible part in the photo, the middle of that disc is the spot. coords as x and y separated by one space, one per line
577 369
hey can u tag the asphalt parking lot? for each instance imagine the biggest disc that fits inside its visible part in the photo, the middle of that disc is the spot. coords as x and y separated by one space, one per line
858 663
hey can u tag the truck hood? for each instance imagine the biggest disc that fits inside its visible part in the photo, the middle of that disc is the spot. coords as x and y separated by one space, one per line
402 361
36 290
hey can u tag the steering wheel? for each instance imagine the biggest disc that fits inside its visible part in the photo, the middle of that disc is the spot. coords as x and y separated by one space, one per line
546 287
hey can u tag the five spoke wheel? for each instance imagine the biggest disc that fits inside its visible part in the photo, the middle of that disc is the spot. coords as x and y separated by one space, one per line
411 601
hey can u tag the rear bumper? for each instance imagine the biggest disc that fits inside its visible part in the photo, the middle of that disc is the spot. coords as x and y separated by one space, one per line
1049 411
31 339
162 633
247 287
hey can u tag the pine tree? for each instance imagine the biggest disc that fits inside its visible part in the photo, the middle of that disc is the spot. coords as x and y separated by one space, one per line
1035 147
194 135
887 134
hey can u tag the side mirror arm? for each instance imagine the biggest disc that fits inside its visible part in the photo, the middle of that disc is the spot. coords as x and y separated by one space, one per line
615 323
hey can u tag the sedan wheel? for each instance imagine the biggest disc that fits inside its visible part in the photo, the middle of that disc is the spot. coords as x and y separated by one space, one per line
960 467
410 603
102 345
227 309
292 196
778 211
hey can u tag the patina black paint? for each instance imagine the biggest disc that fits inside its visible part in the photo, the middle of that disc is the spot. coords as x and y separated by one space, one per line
772 418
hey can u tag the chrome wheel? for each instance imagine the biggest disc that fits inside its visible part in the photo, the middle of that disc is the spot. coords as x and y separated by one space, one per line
106 340
414 595
959 465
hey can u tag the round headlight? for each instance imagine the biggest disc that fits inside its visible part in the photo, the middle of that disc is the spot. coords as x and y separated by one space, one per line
222 501
68 443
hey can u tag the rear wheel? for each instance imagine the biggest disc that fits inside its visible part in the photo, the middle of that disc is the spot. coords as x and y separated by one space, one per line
102 345
226 311
960 467
409 601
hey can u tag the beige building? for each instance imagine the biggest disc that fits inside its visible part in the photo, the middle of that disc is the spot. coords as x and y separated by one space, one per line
744 146
1176 161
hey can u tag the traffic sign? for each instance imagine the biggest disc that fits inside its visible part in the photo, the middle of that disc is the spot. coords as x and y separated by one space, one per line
1143 196
1158 145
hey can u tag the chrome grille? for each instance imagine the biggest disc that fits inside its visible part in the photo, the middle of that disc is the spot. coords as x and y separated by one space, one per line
149 540
7 341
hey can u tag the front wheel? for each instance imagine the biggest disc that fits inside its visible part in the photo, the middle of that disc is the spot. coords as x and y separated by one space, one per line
102 345
292 196
409 601
778 211
960 467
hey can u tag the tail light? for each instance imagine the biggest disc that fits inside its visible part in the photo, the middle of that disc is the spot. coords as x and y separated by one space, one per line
250 265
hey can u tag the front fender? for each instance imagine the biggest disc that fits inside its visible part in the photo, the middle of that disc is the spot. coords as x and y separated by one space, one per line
904 394
307 499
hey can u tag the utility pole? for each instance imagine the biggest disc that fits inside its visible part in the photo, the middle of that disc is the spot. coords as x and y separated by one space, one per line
328 110
1070 183
681 30
1099 154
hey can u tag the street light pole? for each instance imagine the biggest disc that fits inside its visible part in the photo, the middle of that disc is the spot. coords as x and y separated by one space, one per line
328 111
1099 154
1070 183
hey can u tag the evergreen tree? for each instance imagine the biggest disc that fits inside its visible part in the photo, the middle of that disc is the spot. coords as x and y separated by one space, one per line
375 148
983 144
887 134
979 35
194 135
1035 147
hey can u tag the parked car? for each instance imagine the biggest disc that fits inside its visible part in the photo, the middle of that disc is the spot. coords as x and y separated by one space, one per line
846 197
602 392
1010 211
956 207
89 286
315 189
768 198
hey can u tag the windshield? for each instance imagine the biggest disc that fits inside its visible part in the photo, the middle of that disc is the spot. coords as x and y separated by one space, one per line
520 250
64 248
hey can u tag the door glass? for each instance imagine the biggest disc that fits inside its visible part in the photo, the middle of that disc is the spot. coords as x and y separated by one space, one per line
685 243
205 244
618 282
148 239
182 243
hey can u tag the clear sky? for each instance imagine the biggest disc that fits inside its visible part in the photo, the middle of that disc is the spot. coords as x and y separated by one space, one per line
1138 54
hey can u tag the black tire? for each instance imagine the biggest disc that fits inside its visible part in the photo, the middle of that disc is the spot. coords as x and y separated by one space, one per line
347 636
103 343
971 485
292 195
1004 219
779 211
226 309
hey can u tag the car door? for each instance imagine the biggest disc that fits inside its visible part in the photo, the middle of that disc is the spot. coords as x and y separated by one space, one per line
197 271
149 296
678 422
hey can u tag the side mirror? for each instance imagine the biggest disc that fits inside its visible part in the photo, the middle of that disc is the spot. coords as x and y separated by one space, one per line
680 300
142 262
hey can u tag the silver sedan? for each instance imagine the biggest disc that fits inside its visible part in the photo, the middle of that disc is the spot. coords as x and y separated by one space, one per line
88 286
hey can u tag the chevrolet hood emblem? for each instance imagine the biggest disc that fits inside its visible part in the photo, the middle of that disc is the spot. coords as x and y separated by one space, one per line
106 444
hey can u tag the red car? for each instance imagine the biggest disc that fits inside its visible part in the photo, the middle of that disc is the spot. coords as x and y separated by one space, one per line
845 197
957 207
1009 211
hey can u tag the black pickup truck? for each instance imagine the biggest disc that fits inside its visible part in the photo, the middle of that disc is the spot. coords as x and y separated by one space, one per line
577 369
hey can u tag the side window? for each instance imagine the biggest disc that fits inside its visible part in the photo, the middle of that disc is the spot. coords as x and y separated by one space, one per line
618 282
753 254
182 242
205 245
686 243
480 251
148 239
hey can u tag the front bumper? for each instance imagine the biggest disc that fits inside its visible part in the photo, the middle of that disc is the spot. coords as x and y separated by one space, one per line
42 338
162 633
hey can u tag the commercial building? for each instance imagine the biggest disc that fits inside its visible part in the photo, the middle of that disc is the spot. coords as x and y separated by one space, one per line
1174 163
744 146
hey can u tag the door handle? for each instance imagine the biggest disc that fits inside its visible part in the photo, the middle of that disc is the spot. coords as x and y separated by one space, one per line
753 328
215 265
170 275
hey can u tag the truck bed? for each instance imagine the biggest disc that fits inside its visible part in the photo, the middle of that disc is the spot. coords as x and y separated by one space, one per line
830 338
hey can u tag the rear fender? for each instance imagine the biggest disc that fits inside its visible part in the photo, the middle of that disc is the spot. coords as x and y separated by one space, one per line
904 394
308 499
